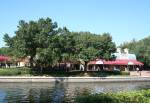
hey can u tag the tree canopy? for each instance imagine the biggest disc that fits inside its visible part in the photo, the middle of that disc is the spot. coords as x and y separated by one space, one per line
31 36
46 44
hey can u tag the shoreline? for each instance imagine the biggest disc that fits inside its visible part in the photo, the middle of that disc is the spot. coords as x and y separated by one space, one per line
34 79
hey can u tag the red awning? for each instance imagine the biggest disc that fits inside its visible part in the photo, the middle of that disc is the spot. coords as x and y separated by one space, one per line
124 62
116 62
120 62
109 62
91 62
135 62
98 62
3 58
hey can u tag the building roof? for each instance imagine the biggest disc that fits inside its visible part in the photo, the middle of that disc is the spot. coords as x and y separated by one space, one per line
116 62
122 58
3 58
125 56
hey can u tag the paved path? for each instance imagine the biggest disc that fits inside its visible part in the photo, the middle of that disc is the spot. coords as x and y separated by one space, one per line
75 79
134 76
142 74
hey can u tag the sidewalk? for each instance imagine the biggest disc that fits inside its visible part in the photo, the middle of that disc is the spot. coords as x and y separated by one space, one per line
9 79
143 73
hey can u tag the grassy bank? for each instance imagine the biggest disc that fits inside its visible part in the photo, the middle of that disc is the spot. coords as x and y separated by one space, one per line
15 71
142 96
31 72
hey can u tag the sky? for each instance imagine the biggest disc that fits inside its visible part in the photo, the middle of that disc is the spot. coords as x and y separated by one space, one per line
123 19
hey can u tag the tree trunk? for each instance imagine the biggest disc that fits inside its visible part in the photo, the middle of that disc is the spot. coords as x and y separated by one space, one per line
85 66
31 61
41 69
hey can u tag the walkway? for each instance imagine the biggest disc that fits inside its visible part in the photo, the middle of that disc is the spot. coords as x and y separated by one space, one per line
143 73
75 79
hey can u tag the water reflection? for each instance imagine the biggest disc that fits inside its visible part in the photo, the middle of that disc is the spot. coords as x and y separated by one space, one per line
59 92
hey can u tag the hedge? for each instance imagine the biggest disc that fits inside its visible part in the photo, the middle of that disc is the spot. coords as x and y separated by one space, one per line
142 96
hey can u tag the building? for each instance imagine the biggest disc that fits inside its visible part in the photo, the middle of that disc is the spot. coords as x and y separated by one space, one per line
4 61
124 61
23 62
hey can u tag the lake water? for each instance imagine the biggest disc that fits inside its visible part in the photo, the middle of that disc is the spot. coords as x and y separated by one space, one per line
59 92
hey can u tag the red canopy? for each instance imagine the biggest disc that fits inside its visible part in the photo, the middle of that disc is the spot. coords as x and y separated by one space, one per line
116 62
135 62
97 61
3 58
124 62
120 62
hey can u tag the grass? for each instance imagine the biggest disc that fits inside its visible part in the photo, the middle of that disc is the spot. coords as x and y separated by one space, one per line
14 71
80 73
30 72
142 96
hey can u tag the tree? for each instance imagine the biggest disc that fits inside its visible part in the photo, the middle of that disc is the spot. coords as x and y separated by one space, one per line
47 45
30 36
91 46
66 45
107 47
5 51
102 45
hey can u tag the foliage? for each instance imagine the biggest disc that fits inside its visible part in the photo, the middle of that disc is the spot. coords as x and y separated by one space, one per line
6 51
61 73
113 73
65 44
141 48
47 45
142 96
90 46
14 71
124 73
30 36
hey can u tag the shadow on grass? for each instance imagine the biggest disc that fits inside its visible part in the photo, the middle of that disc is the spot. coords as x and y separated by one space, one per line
78 73
58 73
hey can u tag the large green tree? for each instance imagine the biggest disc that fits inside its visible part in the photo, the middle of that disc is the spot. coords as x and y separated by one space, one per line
90 46
47 45
66 45
31 36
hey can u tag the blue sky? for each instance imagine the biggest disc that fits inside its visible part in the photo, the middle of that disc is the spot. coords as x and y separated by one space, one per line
123 19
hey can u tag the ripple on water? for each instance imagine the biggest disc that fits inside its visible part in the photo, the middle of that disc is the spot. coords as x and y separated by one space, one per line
60 92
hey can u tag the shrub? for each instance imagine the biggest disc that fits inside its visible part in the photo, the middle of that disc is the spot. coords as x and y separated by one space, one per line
7 72
120 97
14 71
125 73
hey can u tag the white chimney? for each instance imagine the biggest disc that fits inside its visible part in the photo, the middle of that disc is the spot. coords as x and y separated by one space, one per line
126 50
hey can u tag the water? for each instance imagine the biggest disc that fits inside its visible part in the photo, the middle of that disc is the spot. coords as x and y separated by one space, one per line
59 92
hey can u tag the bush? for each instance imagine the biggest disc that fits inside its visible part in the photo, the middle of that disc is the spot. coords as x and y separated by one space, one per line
120 97
125 73
14 71
37 72
108 73
7 72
